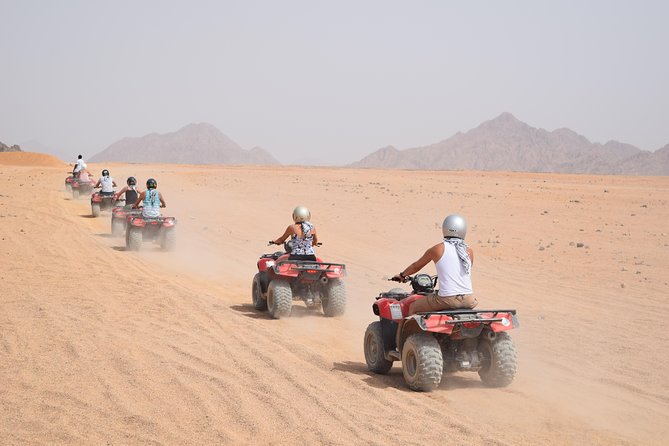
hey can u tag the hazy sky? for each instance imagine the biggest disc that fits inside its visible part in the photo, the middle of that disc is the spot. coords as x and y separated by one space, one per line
330 81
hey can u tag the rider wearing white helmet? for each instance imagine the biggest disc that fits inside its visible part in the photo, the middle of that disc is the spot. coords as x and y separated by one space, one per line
303 235
453 260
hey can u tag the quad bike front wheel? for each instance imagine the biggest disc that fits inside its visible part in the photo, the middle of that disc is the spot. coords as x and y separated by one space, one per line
499 361
68 188
334 298
256 294
375 350
133 239
279 298
75 193
422 362
95 209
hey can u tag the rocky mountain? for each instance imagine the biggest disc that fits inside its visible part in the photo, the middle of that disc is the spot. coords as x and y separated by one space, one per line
6 148
505 143
193 144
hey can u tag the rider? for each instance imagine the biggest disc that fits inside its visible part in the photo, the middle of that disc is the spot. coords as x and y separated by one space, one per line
78 166
303 236
130 191
152 200
107 183
453 260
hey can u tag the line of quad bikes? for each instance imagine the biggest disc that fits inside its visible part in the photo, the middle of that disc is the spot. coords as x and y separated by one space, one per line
124 219
428 344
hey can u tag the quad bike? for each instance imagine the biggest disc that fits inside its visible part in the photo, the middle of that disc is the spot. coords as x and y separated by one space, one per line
101 202
159 230
280 281
119 218
81 187
434 342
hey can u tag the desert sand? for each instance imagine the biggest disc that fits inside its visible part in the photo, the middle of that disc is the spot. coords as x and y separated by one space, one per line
103 346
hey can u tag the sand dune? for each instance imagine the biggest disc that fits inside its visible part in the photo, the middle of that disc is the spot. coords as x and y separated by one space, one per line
102 346
29 159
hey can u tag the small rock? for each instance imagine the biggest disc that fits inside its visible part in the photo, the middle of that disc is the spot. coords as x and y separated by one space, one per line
579 245
622 285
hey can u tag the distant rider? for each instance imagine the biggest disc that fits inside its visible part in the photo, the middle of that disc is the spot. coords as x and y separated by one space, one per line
78 166
130 191
151 199
453 260
106 183
303 236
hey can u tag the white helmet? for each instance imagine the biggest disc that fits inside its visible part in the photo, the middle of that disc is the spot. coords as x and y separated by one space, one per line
454 226
300 214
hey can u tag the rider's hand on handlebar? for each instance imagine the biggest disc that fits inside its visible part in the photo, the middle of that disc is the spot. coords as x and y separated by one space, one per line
270 243
399 278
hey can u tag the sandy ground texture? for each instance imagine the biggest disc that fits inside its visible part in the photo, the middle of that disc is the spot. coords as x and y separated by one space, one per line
103 346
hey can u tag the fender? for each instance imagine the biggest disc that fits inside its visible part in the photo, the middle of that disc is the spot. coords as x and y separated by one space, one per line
169 222
137 222
96 198
265 263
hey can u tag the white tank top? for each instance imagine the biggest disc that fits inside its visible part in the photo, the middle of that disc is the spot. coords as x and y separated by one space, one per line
453 279
107 184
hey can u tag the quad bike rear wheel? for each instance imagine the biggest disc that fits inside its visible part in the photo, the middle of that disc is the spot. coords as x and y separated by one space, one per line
422 362
95 209
334 298
375 350
133 240
68 188
75 193
279 298
499 361
117 227
256 294
168 239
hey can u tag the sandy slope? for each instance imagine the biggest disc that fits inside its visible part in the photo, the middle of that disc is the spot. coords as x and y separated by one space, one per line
102 346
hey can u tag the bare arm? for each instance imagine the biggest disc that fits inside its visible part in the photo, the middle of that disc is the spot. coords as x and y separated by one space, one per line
121 192
97 185
315 240
113 183
162 202
290 230
431 254
139 200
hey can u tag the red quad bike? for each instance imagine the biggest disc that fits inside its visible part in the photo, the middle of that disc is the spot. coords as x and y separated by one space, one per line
140 229
81 187
431 343
101 202
279 281
119 218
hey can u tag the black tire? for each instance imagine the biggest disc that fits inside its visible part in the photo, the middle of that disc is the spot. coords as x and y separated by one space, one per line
279 298
95 209
75 193
256 294
133 239
168 239
500 361
375 350
68 188
422 362
334 298
117 227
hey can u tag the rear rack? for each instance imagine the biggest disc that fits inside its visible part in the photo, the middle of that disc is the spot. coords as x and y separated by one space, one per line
427 314
306 265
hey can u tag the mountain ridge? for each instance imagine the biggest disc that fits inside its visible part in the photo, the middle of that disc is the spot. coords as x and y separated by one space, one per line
506 143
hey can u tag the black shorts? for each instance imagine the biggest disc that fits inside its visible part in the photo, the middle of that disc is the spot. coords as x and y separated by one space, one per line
308 257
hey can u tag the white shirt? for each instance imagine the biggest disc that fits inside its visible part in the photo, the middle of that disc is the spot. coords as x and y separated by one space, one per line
453 279
107 184
80 165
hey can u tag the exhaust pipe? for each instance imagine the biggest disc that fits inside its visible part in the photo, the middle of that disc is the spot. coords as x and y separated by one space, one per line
491 335
324 280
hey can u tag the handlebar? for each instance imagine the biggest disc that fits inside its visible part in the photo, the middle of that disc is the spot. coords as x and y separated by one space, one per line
271 242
